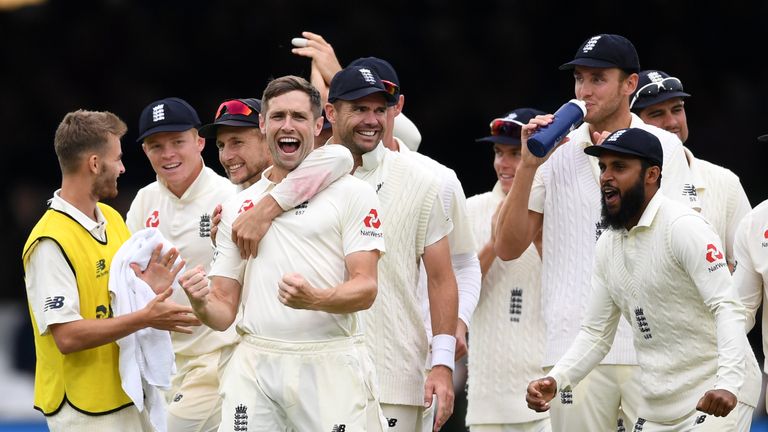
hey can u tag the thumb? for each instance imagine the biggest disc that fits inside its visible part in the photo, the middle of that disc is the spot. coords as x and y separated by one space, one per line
136 269
428 392
164 295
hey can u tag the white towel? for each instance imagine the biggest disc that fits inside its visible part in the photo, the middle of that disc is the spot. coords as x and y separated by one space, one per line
146 356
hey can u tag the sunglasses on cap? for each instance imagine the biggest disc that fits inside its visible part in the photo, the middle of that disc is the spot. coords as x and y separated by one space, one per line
654 88
504 127
234 107
391 87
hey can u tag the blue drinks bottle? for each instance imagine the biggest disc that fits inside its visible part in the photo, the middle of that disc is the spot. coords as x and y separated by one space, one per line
566 118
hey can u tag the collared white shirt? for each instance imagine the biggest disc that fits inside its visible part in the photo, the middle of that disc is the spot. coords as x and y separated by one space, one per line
49 275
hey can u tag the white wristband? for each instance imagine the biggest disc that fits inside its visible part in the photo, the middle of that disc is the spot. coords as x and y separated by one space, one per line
443 350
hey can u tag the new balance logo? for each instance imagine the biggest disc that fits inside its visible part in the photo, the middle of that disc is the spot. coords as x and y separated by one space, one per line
104 311
515 304
53 303
566 397
642 323
158 112
241 418
178 397
391 422
101 268
700 419
339 428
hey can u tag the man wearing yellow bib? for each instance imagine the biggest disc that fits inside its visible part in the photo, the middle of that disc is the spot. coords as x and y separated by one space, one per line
66 263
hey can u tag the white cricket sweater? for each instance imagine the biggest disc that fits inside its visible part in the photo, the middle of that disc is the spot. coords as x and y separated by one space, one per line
723 200
507 336
668 277
394 331
466 267
566 190
750 276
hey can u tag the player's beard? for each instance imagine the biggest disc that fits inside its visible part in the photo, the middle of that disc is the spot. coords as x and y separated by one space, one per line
631 204
105 186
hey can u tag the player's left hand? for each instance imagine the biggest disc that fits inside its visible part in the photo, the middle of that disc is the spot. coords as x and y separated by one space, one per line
160 271
440 383
294 291
717 402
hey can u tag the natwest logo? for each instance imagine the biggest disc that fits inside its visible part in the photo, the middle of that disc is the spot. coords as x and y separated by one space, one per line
247 205
153 221
372 220
713 254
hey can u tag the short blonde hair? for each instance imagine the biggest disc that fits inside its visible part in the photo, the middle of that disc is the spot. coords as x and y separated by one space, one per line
82 132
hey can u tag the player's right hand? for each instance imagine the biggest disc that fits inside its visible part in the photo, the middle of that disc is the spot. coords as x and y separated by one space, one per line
718 402
528 158
195 284
540 392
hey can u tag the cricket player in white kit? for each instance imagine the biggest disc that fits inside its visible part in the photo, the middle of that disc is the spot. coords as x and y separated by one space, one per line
660 265
302 363
507 348
750 274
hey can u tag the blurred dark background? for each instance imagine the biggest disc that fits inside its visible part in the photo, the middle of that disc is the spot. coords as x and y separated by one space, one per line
460 64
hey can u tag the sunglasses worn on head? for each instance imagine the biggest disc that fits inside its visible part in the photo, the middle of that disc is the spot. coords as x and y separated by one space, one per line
233 107
653 89
505 128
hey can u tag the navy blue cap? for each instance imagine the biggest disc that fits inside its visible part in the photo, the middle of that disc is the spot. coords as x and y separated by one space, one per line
382 67
655 86
631 141
606 51
167 115
227 116
355 82
509 131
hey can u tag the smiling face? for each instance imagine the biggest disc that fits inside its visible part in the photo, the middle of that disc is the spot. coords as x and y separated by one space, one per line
505 161
668 115
110 167
243 153
359 124
290 127
175 157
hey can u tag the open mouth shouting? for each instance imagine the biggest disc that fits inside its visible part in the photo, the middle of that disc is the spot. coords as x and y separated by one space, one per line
288 145
611 196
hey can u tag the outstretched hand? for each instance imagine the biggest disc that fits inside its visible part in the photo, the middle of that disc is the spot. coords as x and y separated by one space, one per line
160 271
163 314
